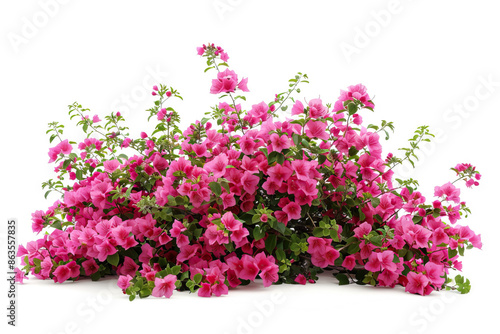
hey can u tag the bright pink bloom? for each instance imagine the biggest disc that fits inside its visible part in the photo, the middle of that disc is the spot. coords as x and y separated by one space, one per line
250 182
416 283
451 192
298 108
269 275
279 173
293 210
301 279
19 276
317 109
434 272
217 165
129 267
226 82
205 290
164 287
316 129
349 262
90 266
243 85
124 282
280 143
111 165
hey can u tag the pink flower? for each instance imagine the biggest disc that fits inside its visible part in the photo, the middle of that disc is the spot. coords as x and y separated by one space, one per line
217 165
224 57
226 82
293 210
316 129
373 263
316 245
250 182
164 287
205 290
63 147
124 282
243 85
90 267
349 262
269 275
357 92
451 192
434 272
301 279
317 109
417 283
111 165
95 119
160 163
280 143
65 271
19 275
126 142
279 173
161 114
187 252
129 267
298 108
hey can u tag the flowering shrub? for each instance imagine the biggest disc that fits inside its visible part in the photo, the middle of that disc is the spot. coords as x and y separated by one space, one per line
242 195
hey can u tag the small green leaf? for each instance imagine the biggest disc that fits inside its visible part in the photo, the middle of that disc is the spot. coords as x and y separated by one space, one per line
216 188
197 278
342 278
113 259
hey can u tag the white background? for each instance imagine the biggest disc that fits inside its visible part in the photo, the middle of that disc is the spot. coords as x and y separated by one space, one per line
422 63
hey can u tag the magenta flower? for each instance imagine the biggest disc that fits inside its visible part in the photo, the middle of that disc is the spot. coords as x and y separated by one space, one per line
317 109
316 129
19 275
298 108
301 279
279 143
293 210
434 272
349 262
269 275
164 287
63 147
111 165
90 266
451 192
227 82
124 282
417 283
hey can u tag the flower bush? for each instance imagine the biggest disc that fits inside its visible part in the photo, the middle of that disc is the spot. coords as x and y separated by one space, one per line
242 196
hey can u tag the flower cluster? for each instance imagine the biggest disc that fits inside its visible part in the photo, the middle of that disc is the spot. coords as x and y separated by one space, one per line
245 195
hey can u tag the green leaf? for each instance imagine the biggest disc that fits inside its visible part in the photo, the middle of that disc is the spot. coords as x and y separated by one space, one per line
216 188
342 278
197 278
352 108
113 259
377 240
375 201
258 233
318 232
271 243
